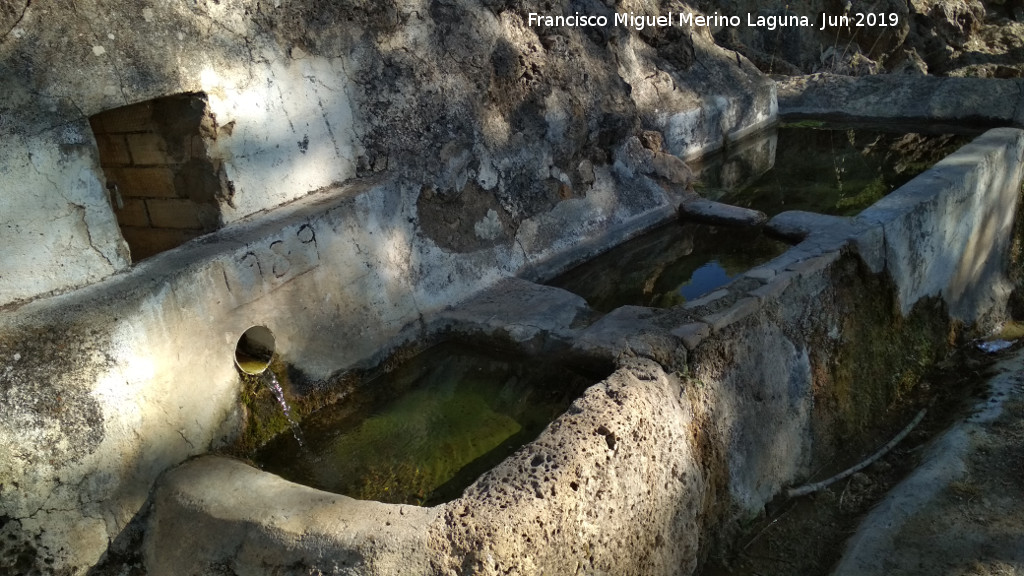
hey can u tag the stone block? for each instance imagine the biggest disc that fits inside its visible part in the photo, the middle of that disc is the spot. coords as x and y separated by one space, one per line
712 212
795 225
520 310
813 265
692 334
738 311
762 273
774 288
716 295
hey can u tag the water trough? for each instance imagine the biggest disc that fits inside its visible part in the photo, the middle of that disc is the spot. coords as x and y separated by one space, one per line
714 408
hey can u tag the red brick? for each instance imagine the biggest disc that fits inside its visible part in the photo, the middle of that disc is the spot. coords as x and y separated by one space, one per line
147 149
133 214
157 182
113 150
177 213
96 123
134 118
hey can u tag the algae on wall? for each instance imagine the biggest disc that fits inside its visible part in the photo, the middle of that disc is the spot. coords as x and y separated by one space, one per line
868 364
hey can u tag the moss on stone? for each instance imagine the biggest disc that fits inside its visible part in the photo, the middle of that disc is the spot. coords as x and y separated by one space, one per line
874 357
263 417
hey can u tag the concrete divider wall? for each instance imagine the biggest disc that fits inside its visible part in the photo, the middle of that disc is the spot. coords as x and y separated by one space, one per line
948 232
717 406
900 98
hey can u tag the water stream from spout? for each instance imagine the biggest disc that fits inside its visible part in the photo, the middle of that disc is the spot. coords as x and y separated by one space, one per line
270 379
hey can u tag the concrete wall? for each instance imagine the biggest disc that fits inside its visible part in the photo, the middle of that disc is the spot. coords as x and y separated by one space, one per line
905 98
162 185
302 103
376 164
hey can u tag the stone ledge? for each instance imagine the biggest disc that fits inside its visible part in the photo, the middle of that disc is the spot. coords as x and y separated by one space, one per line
711 212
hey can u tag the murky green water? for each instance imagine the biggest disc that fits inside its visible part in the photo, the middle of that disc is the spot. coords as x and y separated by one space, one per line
825 169
668 266
422 433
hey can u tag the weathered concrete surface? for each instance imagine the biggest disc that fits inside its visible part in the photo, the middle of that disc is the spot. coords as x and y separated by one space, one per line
89 423
924 525
258 523
536 318
630 331
947 232
488 104
981 101
795 225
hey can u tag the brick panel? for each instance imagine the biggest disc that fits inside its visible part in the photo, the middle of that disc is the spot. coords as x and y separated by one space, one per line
167 186
133 214
148 148
178 213
156 182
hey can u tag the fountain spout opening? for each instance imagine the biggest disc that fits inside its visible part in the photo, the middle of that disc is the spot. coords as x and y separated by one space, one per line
254 350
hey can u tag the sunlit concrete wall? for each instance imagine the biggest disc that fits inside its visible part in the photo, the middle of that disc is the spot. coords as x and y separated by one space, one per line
306 96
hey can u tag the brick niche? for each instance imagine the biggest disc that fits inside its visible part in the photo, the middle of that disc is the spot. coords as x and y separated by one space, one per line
164 188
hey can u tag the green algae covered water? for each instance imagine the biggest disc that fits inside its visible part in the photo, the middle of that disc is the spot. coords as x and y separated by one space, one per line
425 431
822 168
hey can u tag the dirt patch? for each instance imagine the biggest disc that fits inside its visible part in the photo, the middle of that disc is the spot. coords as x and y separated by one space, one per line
976 525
